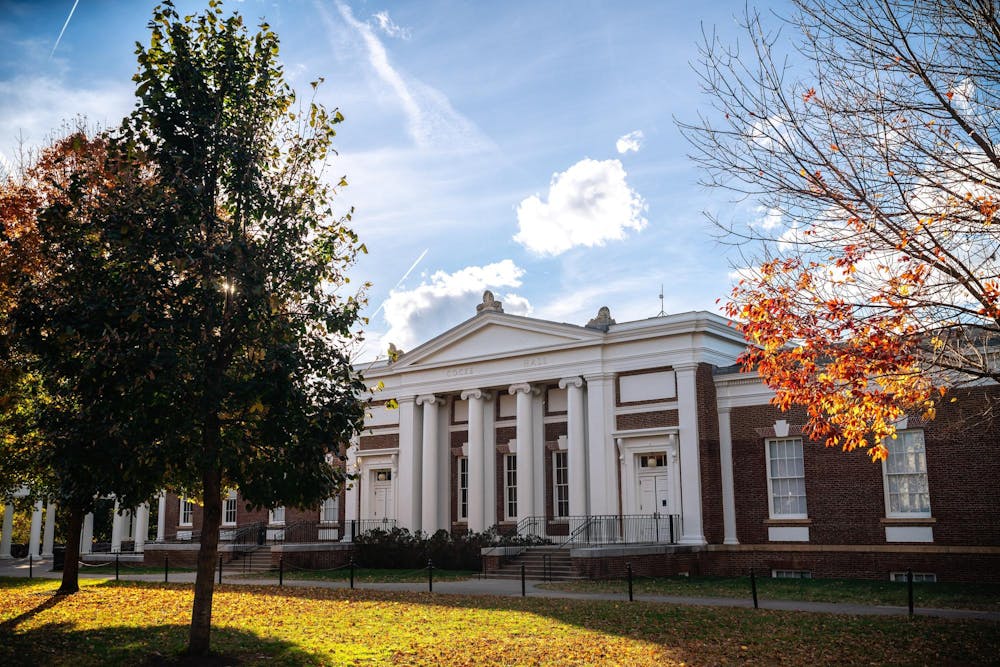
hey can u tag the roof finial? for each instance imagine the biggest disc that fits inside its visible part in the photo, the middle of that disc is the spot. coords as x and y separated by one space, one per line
603 321
489 303
662 312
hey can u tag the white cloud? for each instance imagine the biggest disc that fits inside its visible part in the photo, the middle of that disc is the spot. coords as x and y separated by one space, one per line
389 27
445 299
588 204
767 218
630 142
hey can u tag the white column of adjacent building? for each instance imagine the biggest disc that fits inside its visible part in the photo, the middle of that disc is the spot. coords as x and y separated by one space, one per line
477 400
87 534
351 493
432 452
116 529
602 462
409 482
161 517
692 531
49 534
576 430
141 527
35 536
525 450
8 527
728 490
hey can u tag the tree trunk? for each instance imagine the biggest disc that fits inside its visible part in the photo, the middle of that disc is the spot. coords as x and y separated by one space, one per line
204 585
71 564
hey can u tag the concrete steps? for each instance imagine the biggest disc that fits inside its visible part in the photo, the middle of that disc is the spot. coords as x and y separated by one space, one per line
540 563
251 562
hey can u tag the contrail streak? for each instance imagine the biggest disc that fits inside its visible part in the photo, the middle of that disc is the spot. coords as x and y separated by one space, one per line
405 276
59 38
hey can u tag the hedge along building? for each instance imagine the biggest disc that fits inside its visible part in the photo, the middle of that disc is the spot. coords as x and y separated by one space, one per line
642 442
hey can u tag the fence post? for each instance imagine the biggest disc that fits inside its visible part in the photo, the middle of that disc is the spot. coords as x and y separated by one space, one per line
220 569
672 529
628 571
281 570
430 576
166 567
753 588
352 572
909 590
31 569
523 589
116 566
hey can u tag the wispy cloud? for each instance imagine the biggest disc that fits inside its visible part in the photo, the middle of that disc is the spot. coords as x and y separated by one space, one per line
389 27
629 142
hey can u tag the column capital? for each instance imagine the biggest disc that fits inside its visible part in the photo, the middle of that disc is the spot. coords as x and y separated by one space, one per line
576 382
478 394
405 399
725 409
686 366
429 399
523 388
599 377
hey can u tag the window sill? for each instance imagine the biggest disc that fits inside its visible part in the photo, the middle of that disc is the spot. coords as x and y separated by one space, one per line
788 522
908 521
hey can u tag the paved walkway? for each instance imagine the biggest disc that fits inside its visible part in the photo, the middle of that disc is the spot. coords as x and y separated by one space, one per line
512 588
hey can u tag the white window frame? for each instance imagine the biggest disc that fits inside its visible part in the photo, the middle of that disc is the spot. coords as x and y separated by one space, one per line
186 511
510 487
902 437
330 505
462 486
918 577
772 513
276 516
229 508
791 574
558 486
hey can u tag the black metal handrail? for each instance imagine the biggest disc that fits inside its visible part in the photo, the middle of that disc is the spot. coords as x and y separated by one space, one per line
357 527
623 529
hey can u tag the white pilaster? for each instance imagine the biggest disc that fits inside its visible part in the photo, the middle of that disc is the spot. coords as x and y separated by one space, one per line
410 464
141 527
116 530
576 445
490 464
87 534
692 531
161 517
478 519
34 538
8 527
48 536
525 450
352 497
728 491
538 454
430 512
602 462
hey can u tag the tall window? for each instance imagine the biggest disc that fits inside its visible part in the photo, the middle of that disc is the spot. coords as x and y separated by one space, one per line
187 512
277 515
463 489
905 469
510 486
560 483
229 510
330 512
786 480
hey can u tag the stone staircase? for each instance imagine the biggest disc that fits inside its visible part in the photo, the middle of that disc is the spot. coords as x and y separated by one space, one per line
251 562
540 564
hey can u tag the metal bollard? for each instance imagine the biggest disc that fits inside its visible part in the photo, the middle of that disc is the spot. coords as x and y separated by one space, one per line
116 567
628 571
281 570
753 588
220 569
352 573
31 569
523 589
166 568
909 590
430 576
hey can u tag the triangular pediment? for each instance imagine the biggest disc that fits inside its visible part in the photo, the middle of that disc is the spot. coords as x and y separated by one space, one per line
491 335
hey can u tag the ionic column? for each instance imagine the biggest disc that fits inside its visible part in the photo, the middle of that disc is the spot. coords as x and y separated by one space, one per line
161 517
410 487
8 527
34 538
576 443
116 530
525 450
48 536
477 399
141 527
431 512
692 531
602 462
351 493
87 534
728 491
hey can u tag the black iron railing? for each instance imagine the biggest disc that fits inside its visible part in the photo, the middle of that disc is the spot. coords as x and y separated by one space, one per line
623 529
355 527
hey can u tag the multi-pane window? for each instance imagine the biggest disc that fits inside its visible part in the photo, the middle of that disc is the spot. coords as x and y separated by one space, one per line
229 509
463 489
906 476
330 512
277 515
560 483
786 478
187 512
510 486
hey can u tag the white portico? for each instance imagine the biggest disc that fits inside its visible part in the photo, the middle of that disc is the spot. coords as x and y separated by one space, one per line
509 420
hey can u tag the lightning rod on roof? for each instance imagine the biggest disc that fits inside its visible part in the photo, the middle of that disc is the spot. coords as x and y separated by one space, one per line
662 312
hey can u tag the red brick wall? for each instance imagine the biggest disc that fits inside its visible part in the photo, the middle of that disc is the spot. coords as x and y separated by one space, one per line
380 441
652 419
708 453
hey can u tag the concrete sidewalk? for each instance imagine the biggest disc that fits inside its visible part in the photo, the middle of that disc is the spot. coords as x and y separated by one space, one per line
512 588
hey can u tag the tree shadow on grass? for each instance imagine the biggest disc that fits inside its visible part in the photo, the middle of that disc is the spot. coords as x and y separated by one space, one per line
155 646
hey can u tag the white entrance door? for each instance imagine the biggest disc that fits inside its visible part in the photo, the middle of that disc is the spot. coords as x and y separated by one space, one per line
654 499
382 498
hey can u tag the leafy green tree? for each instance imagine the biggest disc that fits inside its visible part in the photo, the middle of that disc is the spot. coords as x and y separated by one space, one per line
248 382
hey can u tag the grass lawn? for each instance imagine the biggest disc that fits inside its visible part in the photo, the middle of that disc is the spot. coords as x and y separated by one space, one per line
367 575
946 595
134 623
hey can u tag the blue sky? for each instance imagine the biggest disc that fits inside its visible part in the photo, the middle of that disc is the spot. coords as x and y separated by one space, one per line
524 147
